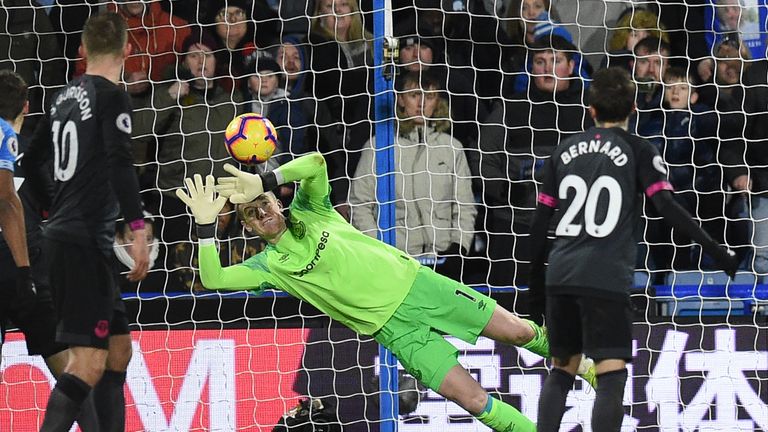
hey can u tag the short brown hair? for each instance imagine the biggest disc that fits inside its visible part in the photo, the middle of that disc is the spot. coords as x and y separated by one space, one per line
612 94
105 34
14 91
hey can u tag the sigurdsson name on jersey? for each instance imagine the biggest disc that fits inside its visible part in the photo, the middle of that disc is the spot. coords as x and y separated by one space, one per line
81 96
618 157
321 245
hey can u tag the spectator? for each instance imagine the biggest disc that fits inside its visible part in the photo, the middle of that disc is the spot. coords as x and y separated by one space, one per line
722 17
532 19
634 25
730 59
648 68
341 48
240 28
422 55
535 22
324 133
291 56
685 134
267 96
340 21
518 135
470 39
68 19
725 91
340 51
29 47
186 125
435 208
746 159
234 248
155 37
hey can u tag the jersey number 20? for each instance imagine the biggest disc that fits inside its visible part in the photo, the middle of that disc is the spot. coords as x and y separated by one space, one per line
65 147
590 195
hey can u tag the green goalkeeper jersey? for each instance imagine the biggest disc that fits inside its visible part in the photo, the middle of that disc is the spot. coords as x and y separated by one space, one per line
322 259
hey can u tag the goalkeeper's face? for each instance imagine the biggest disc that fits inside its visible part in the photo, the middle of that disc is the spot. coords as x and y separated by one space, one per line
263 217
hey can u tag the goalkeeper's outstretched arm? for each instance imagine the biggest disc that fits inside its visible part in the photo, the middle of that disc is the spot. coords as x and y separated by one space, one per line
244 187
205 207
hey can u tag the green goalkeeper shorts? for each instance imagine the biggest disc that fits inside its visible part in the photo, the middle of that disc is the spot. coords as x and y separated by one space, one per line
435 306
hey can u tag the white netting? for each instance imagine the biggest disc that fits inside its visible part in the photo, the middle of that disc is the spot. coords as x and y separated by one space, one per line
464 186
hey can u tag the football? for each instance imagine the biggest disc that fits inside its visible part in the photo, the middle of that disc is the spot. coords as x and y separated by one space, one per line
250 139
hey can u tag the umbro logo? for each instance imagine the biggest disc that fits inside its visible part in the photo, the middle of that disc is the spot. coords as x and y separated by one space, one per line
283 258
482 305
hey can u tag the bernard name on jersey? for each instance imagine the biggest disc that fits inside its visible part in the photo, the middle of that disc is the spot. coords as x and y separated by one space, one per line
594 146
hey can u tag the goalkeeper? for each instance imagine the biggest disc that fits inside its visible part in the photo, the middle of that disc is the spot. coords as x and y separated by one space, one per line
371 287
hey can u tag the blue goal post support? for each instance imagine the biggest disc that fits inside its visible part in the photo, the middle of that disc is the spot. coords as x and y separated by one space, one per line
384 71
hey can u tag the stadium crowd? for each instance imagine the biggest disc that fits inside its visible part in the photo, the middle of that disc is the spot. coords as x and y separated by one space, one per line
485 91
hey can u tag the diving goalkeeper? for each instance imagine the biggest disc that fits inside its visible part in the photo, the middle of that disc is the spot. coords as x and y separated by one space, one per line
371 287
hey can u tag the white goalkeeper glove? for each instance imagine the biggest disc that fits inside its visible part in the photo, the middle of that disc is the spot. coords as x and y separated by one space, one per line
201 200
242 188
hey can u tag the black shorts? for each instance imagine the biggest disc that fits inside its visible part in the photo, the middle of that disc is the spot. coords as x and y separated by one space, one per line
599 328
87 299
38 324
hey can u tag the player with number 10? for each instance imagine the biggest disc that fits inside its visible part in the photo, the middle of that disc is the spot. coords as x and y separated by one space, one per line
95 183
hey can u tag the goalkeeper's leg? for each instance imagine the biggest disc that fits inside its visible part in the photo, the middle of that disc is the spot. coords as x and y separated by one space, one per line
506 327
459 387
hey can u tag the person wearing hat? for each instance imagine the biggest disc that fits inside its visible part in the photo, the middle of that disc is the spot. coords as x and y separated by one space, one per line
422 53
266 95
519 134
184 125
155 36
240 28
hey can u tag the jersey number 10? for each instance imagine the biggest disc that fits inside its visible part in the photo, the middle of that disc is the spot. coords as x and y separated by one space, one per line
65 147
590 195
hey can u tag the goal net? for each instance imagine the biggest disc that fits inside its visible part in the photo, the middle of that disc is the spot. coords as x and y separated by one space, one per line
479 94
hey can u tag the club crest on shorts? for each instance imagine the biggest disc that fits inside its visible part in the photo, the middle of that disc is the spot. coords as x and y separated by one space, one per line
102 329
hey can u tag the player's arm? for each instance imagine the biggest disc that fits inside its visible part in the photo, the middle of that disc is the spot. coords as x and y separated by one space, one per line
678 217
545 209
214 276
652 175
310 170
13 230
12 217
205 207
116 131
37 162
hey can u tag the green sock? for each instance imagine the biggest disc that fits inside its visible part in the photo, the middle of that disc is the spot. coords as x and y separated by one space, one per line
503 417
539 344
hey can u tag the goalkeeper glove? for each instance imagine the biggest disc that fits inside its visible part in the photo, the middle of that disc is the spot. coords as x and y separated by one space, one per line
201 200
242 188
26 294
